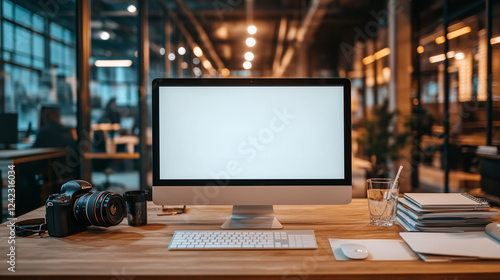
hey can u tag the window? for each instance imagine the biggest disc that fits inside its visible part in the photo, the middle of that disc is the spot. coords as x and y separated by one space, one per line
36 75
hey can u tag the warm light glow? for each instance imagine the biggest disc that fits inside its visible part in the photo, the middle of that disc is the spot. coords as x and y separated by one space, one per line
249 56
453 34
386 74
495 40
162 51
197 51
181 51
113 63
420 49
450 54
197 71
207 64
247 65
184 65
171 56
104 35
378 55
250 42
252 29
369 59
225 72
437 58
132 9
439 40
459 56
382 53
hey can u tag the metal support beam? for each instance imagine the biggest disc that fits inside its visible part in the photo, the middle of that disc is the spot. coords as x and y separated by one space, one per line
393 46
249 10
189 39
3 74
446 113
489 79
167 44
308 27
143 81
279 44
202 34
83 43
416 149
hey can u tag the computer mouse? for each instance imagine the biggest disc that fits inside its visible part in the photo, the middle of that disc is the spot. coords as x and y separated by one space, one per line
493 229
354 251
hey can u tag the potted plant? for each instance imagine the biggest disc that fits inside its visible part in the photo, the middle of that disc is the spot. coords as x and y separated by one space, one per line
379 143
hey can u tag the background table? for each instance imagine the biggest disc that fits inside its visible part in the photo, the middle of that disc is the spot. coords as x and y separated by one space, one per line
35 176
124 252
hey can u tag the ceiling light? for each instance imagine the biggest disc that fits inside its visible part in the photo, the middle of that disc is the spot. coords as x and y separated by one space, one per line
459 56
207 64
250 42
162 51
104 35
197 71
247 65
181 51
249 56
132 9
225 72
450 54
252 29
437 58
453 34
382 53
369 59
495 40
184 65
420 49
196 61
113 63
197 51
171 56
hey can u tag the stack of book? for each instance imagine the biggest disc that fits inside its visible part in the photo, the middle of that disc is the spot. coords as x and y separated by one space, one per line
443 212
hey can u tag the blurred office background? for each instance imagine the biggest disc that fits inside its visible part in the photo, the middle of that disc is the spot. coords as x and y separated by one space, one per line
425 79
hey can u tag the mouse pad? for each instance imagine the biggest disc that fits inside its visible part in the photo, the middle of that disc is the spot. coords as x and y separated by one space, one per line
378 249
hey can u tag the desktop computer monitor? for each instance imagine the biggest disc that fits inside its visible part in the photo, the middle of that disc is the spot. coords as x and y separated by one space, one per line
251 143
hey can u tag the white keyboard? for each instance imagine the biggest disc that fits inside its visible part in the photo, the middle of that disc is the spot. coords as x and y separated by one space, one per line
243 239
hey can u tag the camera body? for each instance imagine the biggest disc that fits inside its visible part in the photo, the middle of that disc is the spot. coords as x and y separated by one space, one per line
59 207
76 207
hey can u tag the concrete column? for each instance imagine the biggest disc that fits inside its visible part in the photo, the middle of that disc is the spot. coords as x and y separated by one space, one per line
400 82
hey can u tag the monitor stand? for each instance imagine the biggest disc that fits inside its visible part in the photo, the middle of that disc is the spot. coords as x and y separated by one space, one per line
252 217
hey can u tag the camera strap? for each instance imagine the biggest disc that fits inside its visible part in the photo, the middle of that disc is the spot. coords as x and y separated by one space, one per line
30 227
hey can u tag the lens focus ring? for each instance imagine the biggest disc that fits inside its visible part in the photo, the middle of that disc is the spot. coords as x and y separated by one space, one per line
100 208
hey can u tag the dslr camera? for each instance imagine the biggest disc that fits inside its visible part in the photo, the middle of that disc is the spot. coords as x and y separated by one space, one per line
78 207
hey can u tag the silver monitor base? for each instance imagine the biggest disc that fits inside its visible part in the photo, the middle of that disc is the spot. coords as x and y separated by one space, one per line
252 217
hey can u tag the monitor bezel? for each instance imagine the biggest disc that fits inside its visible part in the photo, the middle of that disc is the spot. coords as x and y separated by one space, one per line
203 82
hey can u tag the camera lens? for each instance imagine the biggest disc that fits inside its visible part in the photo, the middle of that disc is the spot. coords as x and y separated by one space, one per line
100 208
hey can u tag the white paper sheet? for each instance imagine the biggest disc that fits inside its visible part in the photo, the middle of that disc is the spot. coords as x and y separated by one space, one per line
378 249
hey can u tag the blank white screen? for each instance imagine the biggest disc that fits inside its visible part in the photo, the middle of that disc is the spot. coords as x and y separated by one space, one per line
251 132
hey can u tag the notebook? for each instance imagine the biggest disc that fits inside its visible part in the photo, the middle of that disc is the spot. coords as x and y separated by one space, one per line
446 200
478 245
414 212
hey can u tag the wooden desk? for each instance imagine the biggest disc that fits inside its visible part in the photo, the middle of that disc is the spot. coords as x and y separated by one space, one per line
124 252
34 193
29 155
